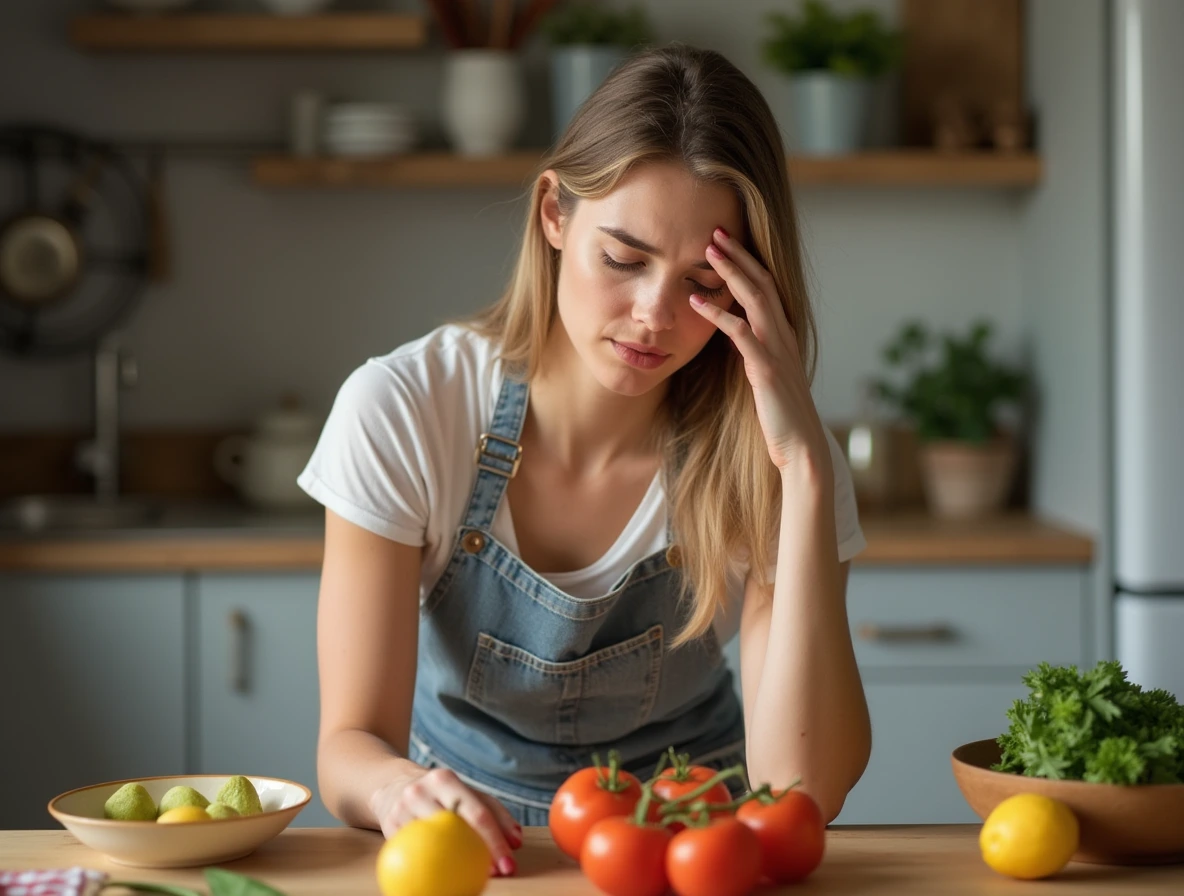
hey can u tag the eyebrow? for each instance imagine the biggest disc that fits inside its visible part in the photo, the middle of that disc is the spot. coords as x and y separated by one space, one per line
640 245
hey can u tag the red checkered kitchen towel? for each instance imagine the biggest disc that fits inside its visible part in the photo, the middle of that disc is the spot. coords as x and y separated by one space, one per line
57 882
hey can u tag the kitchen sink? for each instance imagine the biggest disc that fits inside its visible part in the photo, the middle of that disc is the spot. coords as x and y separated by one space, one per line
63 513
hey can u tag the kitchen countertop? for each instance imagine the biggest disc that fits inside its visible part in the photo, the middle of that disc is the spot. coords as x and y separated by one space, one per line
230 537
893 861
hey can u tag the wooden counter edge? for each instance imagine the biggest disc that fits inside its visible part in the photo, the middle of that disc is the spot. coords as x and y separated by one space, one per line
892 540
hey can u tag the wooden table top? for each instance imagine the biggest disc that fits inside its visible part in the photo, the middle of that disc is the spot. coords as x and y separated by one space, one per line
912 860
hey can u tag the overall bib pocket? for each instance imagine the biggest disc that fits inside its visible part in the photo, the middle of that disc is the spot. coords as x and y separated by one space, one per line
595 699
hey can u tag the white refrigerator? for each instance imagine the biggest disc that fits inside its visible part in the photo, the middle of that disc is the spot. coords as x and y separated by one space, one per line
1147 55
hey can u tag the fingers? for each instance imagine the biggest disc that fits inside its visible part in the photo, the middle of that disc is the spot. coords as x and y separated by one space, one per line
752 286
451 791
509 825
736 328
441 788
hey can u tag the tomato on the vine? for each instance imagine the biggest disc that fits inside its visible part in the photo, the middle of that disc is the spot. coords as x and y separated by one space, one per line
721 859
624 858
791 831
680 779
586 797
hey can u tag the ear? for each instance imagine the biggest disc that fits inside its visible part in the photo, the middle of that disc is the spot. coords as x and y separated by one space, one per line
549 215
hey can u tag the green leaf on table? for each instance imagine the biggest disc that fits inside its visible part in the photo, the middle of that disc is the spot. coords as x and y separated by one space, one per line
227 883
167 889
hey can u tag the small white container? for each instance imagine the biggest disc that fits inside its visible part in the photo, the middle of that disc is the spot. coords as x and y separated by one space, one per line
484 101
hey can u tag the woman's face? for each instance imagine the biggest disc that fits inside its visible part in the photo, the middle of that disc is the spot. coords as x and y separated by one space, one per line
629 264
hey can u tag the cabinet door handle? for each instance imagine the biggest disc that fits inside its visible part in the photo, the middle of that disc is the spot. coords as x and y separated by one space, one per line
240 648
937 632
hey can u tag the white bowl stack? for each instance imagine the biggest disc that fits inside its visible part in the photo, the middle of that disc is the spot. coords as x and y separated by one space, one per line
368 129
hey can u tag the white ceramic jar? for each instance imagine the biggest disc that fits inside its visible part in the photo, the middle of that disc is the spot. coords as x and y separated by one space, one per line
484 102
263 465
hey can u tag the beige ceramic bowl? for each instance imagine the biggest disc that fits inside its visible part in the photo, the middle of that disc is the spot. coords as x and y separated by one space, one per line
147 844
1120 825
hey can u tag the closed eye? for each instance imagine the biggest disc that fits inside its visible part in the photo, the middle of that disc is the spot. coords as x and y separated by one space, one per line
706 291
620 265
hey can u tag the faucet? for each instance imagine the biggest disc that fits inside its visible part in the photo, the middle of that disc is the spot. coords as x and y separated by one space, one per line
114 369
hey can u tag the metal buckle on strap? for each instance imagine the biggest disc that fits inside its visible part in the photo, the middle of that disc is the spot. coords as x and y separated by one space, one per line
483 450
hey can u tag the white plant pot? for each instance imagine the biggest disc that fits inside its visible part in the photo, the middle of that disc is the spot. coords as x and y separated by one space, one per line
829 113
484 101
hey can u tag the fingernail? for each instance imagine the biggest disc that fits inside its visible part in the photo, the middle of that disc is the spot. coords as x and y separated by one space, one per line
719 231
506 866
515 838
714 252
697 300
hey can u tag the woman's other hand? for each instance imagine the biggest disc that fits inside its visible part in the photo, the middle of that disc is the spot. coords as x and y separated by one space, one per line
427 791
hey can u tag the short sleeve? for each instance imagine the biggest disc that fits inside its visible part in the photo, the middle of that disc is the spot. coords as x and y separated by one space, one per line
847 528
848 532
372 462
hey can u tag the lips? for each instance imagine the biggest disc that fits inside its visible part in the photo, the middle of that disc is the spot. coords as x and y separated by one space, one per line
643 349
635 354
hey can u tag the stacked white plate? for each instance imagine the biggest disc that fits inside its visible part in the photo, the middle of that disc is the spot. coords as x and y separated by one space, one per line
368 129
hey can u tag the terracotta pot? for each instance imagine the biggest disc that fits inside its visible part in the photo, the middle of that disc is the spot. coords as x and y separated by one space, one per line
1141 824
964 480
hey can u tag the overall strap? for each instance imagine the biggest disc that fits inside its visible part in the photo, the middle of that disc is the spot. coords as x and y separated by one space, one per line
498 452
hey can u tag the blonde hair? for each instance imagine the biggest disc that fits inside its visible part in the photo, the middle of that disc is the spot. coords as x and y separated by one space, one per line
693 107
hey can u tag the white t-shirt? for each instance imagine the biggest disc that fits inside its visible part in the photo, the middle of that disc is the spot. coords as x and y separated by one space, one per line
396 458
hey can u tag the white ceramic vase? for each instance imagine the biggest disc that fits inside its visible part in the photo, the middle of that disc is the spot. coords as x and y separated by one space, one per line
484 102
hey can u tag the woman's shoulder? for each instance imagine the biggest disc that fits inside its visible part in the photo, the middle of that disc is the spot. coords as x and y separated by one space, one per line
450 362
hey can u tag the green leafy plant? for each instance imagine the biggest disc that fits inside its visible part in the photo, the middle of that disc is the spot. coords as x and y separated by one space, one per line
222 883
591 23
953 389
820 39
1093 726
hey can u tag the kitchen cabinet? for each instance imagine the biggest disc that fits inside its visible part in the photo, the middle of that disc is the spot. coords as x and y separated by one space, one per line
93 672
941 652
256 700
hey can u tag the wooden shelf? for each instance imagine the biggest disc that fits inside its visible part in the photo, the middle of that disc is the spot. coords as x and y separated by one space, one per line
203 32
881 169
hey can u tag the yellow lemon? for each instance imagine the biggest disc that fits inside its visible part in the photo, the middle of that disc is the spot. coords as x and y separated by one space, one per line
184 814
440 855
1029 836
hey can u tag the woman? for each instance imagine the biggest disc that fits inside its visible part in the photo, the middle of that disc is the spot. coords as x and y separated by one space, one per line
542 524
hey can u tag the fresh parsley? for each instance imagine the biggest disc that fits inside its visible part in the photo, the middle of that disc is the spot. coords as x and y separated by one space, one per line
1093 726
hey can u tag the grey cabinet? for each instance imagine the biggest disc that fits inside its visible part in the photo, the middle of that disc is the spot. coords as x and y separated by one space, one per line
93 685
941 652
256 699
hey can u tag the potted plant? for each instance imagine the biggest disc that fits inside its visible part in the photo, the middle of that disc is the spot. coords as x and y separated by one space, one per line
830 59
953 393
588 41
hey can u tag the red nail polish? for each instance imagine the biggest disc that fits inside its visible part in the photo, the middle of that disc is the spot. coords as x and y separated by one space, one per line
714 252
723 232
506 866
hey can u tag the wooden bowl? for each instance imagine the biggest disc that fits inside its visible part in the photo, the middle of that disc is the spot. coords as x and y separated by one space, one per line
1120 825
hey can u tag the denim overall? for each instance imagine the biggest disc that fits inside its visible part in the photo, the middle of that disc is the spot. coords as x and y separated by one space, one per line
519 683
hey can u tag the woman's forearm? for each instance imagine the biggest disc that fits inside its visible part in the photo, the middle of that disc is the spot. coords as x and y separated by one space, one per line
809 717
352 765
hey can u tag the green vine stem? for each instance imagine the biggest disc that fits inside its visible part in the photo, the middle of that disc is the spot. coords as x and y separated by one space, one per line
691 795
612 781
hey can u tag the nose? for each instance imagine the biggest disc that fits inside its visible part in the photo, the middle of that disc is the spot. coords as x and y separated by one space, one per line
654 307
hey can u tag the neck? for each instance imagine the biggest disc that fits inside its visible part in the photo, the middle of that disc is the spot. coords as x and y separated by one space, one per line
581 424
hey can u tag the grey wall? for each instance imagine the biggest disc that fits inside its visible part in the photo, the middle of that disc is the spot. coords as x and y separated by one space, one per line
1065 264
277 290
